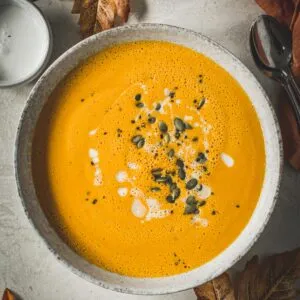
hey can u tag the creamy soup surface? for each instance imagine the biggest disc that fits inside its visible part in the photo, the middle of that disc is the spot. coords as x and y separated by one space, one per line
148 159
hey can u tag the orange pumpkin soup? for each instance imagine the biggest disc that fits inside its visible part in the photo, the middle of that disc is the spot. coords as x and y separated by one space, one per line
148 159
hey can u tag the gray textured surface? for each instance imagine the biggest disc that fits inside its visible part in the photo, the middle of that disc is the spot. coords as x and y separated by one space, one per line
26 265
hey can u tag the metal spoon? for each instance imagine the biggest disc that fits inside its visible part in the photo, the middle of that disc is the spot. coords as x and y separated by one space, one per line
271 47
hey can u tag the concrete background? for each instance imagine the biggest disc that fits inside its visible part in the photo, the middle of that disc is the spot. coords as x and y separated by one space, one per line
26 265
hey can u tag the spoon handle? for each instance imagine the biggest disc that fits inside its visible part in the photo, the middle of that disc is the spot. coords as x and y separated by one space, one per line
294 96
295 86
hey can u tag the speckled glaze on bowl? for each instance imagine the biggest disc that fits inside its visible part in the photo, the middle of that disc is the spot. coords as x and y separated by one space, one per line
272 139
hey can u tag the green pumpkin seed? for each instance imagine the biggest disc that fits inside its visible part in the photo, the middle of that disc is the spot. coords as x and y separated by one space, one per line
139 104
170 199
191 200
190 209
188 126
177 134
200 187
138 97
176 193
171 153
173 186
151 120
167 138
155 189
161 179
191 184
179 124
156 170
136 139
158 106
181 174
171 172
169 180
172 95
140 143
163 127
201 203
201 158
179 163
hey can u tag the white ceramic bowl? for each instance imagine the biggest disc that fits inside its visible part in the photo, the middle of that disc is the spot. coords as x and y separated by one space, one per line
25 42
272 140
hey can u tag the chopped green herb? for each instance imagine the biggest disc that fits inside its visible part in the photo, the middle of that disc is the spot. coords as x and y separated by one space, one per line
195 139
95 201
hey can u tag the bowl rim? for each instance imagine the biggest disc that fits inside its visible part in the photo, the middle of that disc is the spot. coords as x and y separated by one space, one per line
48 49
228 264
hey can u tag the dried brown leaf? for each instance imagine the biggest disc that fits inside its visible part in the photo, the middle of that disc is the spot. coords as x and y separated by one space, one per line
273 279
8 295
295 26
216 289
282 10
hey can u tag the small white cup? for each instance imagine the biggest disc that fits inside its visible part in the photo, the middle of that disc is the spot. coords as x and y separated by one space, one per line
25 42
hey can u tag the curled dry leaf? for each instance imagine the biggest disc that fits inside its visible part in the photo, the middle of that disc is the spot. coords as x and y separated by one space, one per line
98 15
218 288
295 26
282 10
290 132
274 278
8 295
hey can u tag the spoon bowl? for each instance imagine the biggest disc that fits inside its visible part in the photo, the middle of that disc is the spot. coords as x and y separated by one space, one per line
271 48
